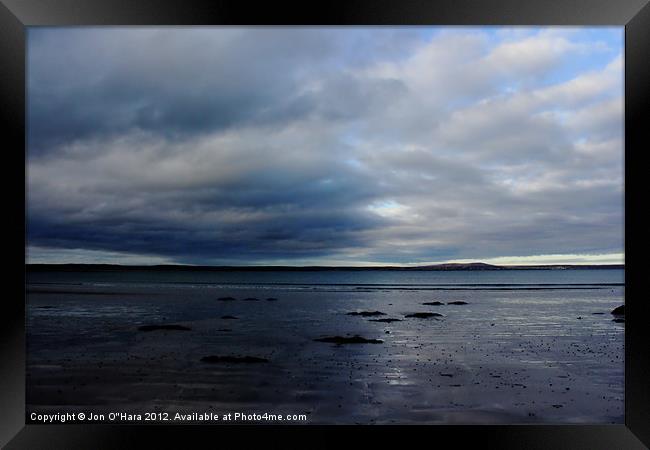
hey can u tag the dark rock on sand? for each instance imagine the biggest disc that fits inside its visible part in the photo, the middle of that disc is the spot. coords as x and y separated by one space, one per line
620 311
163 327
233 359
226 299
251 299
385 320
356 339
433 303
366 313
423 315
457 303
229 317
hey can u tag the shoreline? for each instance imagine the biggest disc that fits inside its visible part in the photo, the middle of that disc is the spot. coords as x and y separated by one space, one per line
64 267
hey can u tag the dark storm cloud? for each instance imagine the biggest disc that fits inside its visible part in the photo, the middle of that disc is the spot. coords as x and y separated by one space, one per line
262 145
307 235
133 79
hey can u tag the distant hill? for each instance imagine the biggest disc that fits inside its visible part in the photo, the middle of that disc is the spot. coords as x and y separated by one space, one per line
437 267
460 266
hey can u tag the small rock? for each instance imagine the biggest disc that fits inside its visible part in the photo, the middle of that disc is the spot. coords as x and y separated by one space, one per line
356 339
423 315
366 313
620 311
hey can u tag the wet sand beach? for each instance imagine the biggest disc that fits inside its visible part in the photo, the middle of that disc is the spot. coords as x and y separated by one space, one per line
339 355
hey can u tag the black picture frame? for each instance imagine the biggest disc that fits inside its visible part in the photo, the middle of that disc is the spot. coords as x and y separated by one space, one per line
16 15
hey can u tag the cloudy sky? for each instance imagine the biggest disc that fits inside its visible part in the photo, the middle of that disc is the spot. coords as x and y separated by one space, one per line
340 146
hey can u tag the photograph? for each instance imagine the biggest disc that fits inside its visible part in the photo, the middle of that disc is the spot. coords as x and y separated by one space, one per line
325 225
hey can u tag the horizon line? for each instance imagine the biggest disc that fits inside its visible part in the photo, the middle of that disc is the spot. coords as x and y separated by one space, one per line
447 264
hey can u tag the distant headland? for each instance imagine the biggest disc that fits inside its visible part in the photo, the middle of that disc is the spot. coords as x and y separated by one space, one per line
474 266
